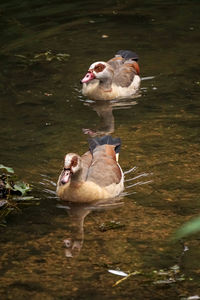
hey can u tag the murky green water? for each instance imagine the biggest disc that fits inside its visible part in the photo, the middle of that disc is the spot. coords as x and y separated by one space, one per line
42 117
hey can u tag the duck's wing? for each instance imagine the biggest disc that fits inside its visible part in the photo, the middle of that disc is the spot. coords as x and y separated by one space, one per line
86 160
104 170
121 57
125 67
116 62
124 75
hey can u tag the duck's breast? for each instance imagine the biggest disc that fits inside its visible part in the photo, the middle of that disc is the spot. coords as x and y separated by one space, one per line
88 89
85 192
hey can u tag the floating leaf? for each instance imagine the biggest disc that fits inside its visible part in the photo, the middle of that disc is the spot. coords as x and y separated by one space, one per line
62 56
110 225
165 281
8 169
22 187
49 56
117 272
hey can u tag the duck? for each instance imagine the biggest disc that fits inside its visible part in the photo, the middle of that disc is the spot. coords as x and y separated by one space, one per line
94 176
117 78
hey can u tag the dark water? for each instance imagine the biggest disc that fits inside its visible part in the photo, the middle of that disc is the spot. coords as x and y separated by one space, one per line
42 117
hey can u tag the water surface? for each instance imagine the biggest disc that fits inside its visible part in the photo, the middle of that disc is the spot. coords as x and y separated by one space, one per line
42 117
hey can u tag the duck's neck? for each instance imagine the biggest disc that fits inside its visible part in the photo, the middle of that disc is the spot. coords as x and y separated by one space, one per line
106 84
76 177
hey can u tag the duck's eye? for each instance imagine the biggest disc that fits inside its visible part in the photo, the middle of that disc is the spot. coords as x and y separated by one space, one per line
99 68
74 161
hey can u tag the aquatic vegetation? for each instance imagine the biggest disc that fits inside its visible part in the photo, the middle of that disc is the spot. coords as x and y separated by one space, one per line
110 225
12 192
43 56
160 277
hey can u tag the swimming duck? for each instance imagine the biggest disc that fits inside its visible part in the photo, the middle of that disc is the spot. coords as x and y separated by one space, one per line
96 175
116 78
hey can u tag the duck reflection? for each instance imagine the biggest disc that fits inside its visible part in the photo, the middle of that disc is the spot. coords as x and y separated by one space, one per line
104 110
77 213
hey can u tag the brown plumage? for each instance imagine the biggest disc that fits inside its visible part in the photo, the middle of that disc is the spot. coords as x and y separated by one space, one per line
96 175
116 78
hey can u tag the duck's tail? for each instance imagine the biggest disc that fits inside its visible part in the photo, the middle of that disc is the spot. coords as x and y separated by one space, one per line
106 139
127 54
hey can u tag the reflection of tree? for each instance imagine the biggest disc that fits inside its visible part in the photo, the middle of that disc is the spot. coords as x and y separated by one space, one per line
77 213
104 110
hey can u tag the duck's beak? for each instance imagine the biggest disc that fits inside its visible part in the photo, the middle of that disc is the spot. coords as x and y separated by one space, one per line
66 174
89 76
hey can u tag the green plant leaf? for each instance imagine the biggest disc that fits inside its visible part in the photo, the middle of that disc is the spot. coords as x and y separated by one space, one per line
8 186
188 228
22 187
8 169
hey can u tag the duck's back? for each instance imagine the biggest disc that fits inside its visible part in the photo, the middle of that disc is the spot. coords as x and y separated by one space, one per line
105 170
125 68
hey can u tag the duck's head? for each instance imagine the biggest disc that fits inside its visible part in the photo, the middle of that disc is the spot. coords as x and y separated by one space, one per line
98 70
72 165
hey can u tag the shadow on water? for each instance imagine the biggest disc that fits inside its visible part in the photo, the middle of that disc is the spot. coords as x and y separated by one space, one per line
46 47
